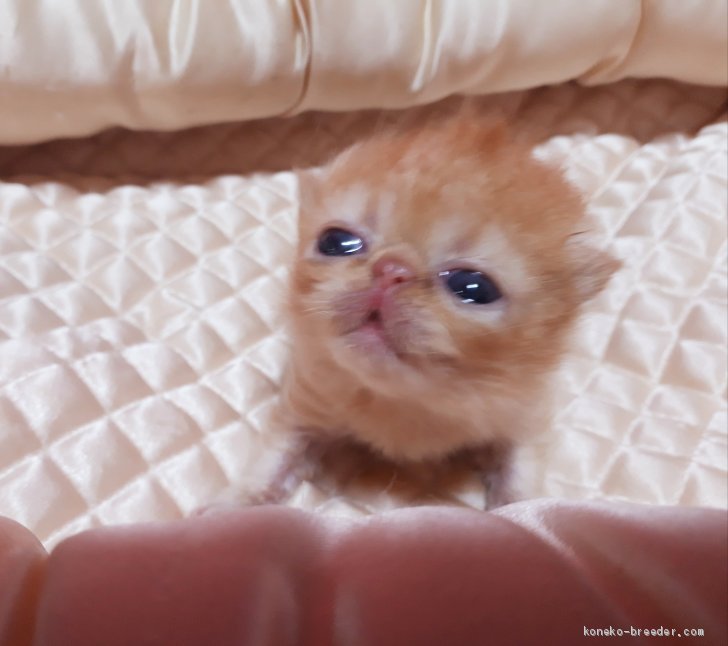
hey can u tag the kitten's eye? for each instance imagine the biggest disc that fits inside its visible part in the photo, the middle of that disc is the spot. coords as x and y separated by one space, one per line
471 286
339 242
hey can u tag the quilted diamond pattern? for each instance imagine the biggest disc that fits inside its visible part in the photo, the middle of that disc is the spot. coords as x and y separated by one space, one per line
143 277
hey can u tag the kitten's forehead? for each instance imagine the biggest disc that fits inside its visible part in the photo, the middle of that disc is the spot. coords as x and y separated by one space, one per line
359 204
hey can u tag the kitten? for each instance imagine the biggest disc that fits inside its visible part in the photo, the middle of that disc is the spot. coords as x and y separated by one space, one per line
438 274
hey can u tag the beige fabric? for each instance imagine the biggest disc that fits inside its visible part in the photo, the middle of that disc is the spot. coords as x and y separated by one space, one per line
141 338
75 67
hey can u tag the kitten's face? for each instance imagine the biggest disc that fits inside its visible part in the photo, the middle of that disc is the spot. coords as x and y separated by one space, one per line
446 251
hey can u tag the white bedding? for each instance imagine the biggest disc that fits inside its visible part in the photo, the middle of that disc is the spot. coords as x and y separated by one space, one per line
141 336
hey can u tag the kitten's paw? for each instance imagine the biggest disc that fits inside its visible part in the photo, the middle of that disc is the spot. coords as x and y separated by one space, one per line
276 488
495 463
498 496
214 508
232 498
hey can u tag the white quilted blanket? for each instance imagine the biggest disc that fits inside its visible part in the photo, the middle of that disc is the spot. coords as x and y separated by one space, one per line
141 331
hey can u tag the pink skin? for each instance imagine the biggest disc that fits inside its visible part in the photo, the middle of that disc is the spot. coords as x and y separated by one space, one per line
371 317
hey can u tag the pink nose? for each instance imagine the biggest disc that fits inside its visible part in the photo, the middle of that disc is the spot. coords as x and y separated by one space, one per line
389 271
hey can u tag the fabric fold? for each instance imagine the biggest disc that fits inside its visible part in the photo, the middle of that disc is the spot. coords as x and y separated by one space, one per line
77 67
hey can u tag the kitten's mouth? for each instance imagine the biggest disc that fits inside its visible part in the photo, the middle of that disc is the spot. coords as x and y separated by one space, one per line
372 337
373 318
374 325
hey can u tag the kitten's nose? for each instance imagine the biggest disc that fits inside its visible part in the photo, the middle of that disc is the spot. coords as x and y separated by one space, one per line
389 271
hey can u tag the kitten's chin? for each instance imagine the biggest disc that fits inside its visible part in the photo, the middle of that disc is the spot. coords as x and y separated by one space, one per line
369 354
371 342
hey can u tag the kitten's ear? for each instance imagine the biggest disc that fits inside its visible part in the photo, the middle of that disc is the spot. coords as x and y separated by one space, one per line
593 268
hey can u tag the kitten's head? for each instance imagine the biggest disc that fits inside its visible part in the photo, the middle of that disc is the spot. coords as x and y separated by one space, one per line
447 251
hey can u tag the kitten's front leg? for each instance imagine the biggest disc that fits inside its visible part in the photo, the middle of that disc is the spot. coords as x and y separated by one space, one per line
495 465
298 463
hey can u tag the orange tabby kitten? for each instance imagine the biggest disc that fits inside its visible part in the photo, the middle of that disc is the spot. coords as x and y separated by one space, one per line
437 277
